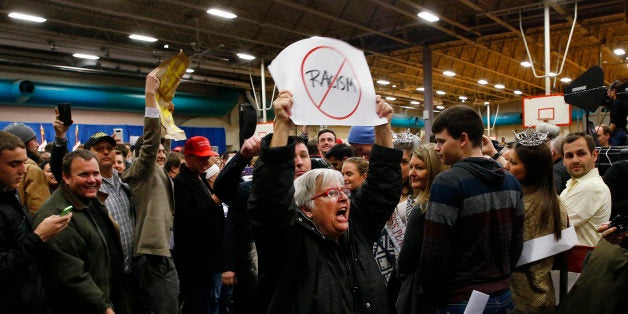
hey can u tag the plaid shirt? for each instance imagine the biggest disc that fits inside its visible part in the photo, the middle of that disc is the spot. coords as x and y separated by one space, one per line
119 205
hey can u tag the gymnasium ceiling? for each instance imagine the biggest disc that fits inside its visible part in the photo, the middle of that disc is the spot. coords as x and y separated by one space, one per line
476 39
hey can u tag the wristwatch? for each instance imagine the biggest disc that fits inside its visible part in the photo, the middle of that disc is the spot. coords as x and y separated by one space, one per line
496 156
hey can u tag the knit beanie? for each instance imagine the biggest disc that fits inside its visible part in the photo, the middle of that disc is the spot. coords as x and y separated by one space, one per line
21 130
361 135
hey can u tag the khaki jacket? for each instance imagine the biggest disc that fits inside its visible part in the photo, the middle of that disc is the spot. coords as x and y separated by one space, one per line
33 189
153 194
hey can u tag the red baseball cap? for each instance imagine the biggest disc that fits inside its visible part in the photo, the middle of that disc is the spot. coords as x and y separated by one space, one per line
199 146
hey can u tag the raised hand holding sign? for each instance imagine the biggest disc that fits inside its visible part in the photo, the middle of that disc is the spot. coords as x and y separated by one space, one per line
330 82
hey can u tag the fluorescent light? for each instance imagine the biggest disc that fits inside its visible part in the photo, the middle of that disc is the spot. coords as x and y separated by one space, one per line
143 38
441 107
189 71
85 56
221 13
518 92
428 16
420 89
462 97
440 92
27 17
245 56
449 73
551 74
414 102
565 80
499 86
618 51
526 64
383 82
482 82
390 98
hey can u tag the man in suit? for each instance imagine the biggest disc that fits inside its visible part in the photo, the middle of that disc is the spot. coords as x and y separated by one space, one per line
198 218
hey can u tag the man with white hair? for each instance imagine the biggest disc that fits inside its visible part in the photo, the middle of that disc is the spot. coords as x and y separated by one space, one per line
308 259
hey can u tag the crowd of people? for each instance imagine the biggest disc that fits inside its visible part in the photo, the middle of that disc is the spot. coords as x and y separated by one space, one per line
381 224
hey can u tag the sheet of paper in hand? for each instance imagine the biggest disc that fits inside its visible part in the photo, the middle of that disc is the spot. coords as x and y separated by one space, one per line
170 73
330 82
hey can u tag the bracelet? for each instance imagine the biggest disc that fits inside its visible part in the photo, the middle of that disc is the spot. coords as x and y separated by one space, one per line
496 156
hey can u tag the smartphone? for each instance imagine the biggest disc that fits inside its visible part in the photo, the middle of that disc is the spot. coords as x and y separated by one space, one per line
118 134
65 113
66 211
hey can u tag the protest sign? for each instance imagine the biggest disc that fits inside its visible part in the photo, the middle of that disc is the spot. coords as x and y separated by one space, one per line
330 82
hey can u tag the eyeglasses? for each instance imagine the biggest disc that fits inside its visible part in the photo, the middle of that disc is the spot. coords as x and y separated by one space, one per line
333 192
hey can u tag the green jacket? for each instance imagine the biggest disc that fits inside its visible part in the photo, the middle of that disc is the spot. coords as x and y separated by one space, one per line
80 272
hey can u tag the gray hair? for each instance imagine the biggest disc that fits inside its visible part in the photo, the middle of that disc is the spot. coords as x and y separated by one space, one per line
551 130
557 145
306 185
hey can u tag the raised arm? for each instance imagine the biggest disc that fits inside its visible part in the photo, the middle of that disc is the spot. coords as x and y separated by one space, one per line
147 158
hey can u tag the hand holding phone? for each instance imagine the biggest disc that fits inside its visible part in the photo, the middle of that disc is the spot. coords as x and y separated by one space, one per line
65 113
66 211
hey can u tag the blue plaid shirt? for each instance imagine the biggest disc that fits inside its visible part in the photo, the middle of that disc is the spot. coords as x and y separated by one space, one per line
119 205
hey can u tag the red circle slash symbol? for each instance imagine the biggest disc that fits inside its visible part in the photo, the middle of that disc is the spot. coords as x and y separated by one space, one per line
326 71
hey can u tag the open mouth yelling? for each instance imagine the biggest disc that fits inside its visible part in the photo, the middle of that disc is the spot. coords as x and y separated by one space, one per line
342 215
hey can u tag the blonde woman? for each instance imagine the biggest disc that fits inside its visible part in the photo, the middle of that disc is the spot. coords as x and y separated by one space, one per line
424 167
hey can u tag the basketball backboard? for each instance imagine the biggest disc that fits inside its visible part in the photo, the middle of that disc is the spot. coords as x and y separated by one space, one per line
546 108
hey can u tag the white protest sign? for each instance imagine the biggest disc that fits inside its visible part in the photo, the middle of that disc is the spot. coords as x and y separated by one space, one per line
330 81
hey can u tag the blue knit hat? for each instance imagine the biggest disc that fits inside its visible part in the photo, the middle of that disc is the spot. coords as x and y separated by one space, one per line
361 135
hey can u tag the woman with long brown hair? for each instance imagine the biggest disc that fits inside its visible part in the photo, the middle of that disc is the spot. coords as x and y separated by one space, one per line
531 163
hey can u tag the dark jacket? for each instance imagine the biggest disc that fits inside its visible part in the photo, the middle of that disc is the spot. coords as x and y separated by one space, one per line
198 226
79 275
302 271
473 231
21 252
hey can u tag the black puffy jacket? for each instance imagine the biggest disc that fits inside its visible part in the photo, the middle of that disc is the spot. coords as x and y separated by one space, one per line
301 270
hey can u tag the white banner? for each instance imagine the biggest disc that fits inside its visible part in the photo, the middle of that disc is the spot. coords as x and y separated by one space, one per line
539 248
330 81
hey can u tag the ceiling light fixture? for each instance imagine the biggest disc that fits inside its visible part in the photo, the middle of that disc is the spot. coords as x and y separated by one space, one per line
420 89
499 86
189 71
166 46
428 16
27 17
565 79
525 64
414 102
221 13
462 97
441 107
551 74
383 82
449 73
85 56
486 103
482 82
518 92
619 52
245 56
143 38
440 92
390 98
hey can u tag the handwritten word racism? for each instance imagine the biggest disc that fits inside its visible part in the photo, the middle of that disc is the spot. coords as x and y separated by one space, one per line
324 79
